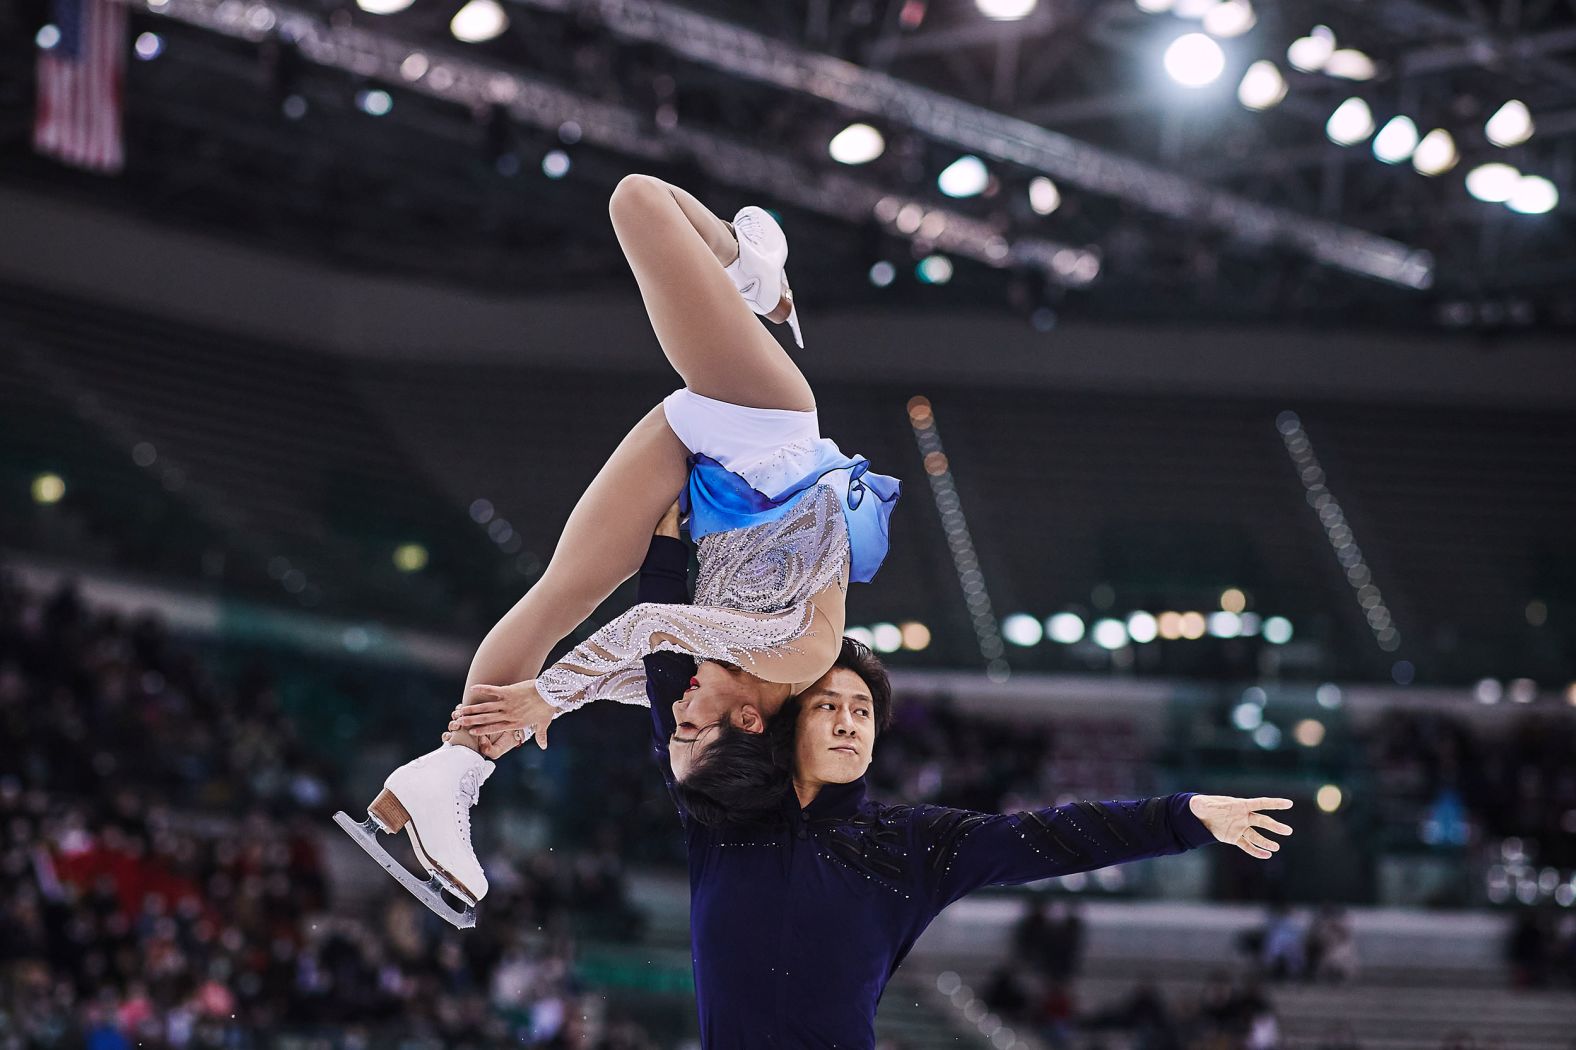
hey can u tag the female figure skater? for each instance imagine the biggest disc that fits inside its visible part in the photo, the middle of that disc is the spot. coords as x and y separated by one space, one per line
784 521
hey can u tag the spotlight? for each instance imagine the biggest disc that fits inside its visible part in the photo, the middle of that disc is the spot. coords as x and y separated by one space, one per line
1436 154
1232 600
555 164
888 637
862 635
1022 629
916 636
48 488
882 273
1142 627
1110 634
1006 10
149 46
47 38
1533 195
1225 624
1193 626
1262 86
1328 696
1194 60
1493 183
1155 7
1510 125
964 177
1229 18
1351 122
1277 630
479 21
934 269
1247 716
410 557
374 102
1350 65
1328 798
1044 197
1065 628
383 7
1396 141
1310 53
856 144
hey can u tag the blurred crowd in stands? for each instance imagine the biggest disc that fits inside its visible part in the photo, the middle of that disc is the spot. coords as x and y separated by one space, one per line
164 885
161 828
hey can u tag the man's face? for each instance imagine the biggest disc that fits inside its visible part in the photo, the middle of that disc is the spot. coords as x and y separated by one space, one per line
718 692
837 729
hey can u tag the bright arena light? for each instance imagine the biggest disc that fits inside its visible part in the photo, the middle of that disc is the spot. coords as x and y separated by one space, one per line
1225 624
856 144
1193 625
48 488
1192 8
1155 7
479 21
1328 696
1436 154
555 164
383 7
1311 52
882 273
1247 716
148 46
1229 18
861 635
1533 195
374 102
1065 627
1022 629
1170 625
1110 634
1493 183
1351 122
1006 10
1329 798
1232 600
1309 732
964 177
1194 59
1510 125
1488 691
1142 627
1262 85
47 37
1267 736
1396 140
1277 630
410 557
916 636
935 269
887 637
1044 197
1349 64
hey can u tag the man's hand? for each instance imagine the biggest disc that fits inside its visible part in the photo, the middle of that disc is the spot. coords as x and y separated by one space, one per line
503 709
669 525
1233 820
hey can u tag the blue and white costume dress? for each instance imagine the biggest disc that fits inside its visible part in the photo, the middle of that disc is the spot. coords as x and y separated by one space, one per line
780 514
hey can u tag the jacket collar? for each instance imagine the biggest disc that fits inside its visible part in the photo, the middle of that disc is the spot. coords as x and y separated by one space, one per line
835 801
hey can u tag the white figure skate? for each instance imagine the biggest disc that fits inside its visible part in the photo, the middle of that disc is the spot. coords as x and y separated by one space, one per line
758 271
431 799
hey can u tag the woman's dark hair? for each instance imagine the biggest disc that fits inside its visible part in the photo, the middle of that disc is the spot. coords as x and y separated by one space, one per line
746 778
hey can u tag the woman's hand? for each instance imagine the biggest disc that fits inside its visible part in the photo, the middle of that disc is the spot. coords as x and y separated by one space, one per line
504 709
1234 820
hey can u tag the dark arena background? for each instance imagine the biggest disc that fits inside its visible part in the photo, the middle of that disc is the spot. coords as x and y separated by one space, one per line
1226 350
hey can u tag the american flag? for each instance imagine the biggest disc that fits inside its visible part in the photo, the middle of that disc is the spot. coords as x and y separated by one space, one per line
81 73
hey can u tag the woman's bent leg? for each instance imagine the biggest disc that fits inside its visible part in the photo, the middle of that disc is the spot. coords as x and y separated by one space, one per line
677 250
602 545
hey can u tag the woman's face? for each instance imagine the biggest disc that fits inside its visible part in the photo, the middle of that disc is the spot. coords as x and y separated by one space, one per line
717 692
836 732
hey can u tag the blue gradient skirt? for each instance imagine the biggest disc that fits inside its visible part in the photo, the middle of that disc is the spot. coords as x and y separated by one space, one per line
718 500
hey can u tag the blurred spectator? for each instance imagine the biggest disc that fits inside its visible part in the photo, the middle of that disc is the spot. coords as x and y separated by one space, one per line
1283 952
1332 947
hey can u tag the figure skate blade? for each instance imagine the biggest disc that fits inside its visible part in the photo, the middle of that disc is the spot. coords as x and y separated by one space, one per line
365 835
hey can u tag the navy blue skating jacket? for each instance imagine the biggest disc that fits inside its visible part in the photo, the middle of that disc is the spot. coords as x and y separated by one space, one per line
796 930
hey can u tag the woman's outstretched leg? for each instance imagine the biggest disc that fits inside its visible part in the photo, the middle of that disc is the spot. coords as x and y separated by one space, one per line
602 545
677 250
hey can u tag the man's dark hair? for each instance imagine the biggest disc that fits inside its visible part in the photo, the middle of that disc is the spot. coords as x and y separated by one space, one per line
747 778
